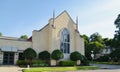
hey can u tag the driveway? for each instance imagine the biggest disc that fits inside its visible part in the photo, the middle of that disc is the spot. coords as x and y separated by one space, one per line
101 70
9 68
105 66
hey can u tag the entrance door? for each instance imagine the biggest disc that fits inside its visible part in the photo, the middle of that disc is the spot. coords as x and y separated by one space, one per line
8 58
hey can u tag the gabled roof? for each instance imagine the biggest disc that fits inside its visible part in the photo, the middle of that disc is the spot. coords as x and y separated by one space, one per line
66 14
29 39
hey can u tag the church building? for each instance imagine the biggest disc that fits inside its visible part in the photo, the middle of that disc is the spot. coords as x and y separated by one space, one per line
61 33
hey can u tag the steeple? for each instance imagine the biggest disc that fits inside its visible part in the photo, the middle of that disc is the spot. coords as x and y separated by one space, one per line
77 23
53 26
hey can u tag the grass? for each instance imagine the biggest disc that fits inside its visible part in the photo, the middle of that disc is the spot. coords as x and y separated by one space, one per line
60 69
109 63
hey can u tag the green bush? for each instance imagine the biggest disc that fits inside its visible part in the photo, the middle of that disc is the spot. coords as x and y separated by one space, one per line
57 54
75 56
84 61
104 58
115 55
67 63
29 54
44 55
21 63
34 63
38 63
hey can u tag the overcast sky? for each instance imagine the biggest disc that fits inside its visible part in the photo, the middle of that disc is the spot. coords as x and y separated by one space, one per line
21 17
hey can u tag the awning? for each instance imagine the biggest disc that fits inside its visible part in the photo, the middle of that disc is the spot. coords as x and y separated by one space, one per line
9 49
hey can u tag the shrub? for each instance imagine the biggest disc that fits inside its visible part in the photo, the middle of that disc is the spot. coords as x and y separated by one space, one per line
57 54
29 54
115 55
45 55
67 63
84 61
75 56
34 63
104 58
38 63
20 62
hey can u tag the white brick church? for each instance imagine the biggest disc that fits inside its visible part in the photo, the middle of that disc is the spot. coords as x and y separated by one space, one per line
60 33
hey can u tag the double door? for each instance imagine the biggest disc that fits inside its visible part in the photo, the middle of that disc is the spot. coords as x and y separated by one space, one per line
8 58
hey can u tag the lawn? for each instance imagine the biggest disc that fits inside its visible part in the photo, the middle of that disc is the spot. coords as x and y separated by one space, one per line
109 63
59 69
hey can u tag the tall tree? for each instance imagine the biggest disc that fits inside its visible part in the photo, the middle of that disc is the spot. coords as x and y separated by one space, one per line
96 37
117 32
107 41
93 46
86 38
86 42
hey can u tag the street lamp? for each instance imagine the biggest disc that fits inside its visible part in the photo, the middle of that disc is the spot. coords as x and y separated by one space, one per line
92 56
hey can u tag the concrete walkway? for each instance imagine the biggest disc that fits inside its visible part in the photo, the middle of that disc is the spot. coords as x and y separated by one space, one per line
10 68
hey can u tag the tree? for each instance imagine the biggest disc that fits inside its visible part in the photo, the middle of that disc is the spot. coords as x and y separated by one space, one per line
56 55
29 54
117 32
75 56
0 34
86 42
93 46
44 55
24 37
96 37
107 41
117 22
115 55
86 39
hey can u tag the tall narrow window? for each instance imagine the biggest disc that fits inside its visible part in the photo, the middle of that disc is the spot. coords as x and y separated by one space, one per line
65 41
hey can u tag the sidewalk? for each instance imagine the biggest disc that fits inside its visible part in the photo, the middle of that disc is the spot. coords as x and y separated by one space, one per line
10 68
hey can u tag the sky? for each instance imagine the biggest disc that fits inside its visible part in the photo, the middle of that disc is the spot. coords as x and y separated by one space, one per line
21 17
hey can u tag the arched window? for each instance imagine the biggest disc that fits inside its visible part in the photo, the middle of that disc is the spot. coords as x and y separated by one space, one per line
65 41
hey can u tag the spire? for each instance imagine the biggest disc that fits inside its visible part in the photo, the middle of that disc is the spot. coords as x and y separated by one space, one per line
77 23
53 19
53 16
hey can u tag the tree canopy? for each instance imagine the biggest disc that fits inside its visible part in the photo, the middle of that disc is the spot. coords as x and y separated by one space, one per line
24 37
96 37
75 56
57 54
0 34
44 55
29 54
117 32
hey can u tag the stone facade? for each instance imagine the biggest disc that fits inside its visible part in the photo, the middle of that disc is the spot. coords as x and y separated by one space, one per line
48 38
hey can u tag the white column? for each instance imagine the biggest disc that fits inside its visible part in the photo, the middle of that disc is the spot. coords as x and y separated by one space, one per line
16 57
1 57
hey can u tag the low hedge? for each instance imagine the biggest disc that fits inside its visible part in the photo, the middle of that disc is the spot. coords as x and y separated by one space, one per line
34 63
21 62
67 63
